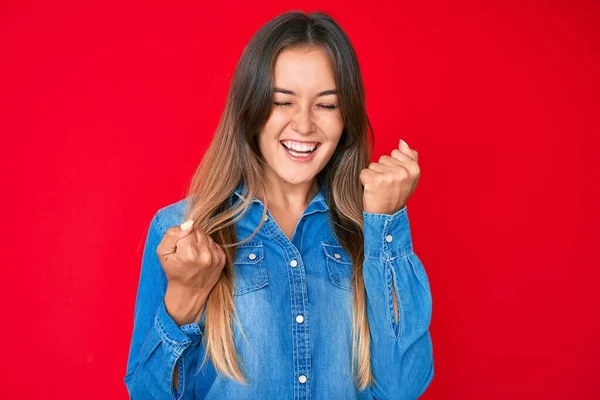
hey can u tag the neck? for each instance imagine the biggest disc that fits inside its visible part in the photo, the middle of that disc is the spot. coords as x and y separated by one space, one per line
283 195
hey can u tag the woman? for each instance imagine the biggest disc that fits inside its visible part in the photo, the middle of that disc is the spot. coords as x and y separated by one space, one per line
293 275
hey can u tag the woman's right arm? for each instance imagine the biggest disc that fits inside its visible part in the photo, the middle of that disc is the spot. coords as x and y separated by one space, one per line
158 343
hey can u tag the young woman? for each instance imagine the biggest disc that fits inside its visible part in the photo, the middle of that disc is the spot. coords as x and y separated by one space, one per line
293 275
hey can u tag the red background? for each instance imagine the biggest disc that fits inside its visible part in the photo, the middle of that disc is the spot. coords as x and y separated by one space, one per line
107 109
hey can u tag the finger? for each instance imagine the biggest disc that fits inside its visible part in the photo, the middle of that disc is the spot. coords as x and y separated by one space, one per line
404 148
212 245
402 157
395 166
379 167
206 243
366 176
217 250
202 239
392 161
187 246
172 235
406 162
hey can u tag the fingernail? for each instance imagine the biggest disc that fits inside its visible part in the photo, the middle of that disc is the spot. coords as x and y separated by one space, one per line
406 144
187 225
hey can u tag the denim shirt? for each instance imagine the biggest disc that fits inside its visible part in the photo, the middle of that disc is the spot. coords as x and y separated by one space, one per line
294 302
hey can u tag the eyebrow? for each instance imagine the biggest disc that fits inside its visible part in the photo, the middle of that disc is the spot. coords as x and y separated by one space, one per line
286 91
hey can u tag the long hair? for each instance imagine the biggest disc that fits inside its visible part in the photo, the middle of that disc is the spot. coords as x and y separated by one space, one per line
233 157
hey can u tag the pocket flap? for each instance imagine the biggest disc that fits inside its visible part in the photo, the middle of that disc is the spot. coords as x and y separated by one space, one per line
249 253
336 253
250 268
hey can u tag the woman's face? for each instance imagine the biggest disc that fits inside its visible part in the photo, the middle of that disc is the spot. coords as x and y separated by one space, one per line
305 117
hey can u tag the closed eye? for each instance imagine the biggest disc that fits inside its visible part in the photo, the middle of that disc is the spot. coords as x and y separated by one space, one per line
323 106
328 106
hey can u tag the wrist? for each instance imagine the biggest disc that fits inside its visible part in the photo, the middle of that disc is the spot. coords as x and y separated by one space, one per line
184 304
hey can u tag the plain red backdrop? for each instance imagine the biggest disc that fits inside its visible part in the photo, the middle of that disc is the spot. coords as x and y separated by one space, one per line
107 109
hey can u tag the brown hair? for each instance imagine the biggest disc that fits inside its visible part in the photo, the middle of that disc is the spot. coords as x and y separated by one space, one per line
233 157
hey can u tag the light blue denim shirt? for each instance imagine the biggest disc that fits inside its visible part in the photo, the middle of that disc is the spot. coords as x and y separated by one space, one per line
294 301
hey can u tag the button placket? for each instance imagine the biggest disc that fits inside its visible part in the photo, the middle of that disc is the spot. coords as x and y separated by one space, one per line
300 329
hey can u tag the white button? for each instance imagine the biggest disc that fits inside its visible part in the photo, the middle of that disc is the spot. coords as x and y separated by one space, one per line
302 379
336 255
299 319
266 218
294 263
252 256
388 238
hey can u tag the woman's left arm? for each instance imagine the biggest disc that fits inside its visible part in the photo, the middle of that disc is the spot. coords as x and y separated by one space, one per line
401 347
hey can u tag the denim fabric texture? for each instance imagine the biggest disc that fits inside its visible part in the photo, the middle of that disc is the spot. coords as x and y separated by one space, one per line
294 302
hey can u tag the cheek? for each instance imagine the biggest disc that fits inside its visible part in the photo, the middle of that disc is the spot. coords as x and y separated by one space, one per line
268 137
272 128
332 127
332 121
278 119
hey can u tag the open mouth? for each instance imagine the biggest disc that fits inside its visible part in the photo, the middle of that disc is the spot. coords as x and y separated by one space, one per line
306 152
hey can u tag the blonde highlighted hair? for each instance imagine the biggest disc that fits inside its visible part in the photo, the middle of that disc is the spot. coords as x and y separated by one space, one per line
233 157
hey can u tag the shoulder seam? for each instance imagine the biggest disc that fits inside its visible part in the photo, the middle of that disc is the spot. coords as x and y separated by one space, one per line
159 223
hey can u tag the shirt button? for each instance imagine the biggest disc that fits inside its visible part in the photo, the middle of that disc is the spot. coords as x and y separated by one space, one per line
302 379
294 263
266 218
252 256
388 238
336 255
299 319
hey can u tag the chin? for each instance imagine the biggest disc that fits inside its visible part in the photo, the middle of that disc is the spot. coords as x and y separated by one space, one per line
295 179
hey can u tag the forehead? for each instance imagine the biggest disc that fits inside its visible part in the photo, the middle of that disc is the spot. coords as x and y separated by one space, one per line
307 68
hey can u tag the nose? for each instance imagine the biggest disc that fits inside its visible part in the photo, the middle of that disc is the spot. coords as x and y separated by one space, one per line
302 122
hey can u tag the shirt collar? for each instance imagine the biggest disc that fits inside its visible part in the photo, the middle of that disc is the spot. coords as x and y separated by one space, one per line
318 202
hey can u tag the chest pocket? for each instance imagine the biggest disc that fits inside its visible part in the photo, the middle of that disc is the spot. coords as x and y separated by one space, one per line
250 268
339 265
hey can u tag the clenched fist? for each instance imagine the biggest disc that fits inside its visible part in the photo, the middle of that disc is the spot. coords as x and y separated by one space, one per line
192 262
389 183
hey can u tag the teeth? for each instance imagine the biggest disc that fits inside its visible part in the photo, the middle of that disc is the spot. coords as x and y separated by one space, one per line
292 152
299 146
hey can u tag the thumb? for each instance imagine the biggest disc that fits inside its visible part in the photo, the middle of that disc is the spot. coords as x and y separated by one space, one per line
404 146
168 244
185 228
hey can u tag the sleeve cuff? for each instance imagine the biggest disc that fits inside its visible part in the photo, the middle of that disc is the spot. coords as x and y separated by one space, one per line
177 338
387 236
